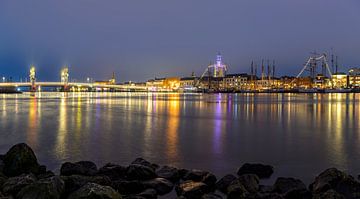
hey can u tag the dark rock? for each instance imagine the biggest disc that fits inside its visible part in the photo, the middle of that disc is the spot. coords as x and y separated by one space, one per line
170 173
337 180
191 189
298 194
349 187
224 182
195 175
134 197
250 182
327 180
47 174
74 182
2 166
3 179
78 168
211 196
284 185
20 159
144 162
148 194
265 196
42 169
14 184
140 172
113 171
329 194
95 191
236 190
265 188
50 188
262 171
127 187
161 185
209 179
183 172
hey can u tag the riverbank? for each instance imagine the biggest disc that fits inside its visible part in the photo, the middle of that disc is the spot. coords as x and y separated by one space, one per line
21 176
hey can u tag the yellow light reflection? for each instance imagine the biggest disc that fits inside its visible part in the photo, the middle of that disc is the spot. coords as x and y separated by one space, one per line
33 122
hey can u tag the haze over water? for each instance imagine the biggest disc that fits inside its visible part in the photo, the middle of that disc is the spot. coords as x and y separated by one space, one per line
299 134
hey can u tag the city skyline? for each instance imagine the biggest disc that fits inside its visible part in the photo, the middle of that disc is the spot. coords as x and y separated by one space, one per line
161 39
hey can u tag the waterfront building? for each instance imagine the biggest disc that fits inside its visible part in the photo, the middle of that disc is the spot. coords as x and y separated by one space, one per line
111 81
354 78
236 82
155 84
163 84
340 80
302 82
188 82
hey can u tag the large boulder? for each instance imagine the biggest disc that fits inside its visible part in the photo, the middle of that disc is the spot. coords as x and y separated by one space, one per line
127 187
261 170
144 162
224 182
78 168
14 184
329 194
74 182
20 159
284 185
326 180
250 182
95 191
161 185
337 180
200 176
148 194
191 189
113 171
195 175
50 188
170 173
140 172
236 190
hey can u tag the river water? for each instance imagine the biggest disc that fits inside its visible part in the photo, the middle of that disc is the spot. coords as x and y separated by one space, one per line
299 134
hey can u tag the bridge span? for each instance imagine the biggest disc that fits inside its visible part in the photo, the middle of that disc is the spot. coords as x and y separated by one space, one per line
74 86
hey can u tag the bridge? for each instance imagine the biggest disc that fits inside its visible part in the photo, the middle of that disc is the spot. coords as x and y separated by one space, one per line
65 85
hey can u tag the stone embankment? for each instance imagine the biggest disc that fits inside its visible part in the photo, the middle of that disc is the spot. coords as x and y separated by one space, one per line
22 177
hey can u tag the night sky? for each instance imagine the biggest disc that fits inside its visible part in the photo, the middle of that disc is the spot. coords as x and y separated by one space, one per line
143 39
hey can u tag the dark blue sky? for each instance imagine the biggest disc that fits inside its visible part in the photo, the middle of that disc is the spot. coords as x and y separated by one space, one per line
141 39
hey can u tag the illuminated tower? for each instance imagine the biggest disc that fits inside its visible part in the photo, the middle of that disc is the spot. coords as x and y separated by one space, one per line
32 77
219 68
112 80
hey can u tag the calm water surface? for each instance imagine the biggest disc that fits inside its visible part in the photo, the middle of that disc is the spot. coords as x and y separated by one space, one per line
299 134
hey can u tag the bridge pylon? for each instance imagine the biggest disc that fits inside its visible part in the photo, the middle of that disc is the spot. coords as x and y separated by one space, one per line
65 78
32 77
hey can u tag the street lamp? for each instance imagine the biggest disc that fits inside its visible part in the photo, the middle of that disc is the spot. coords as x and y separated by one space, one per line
3 78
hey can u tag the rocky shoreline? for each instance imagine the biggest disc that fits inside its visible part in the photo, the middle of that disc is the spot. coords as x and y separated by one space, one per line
22 177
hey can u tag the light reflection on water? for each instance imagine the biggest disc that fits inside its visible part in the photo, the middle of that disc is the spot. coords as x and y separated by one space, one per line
300 134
